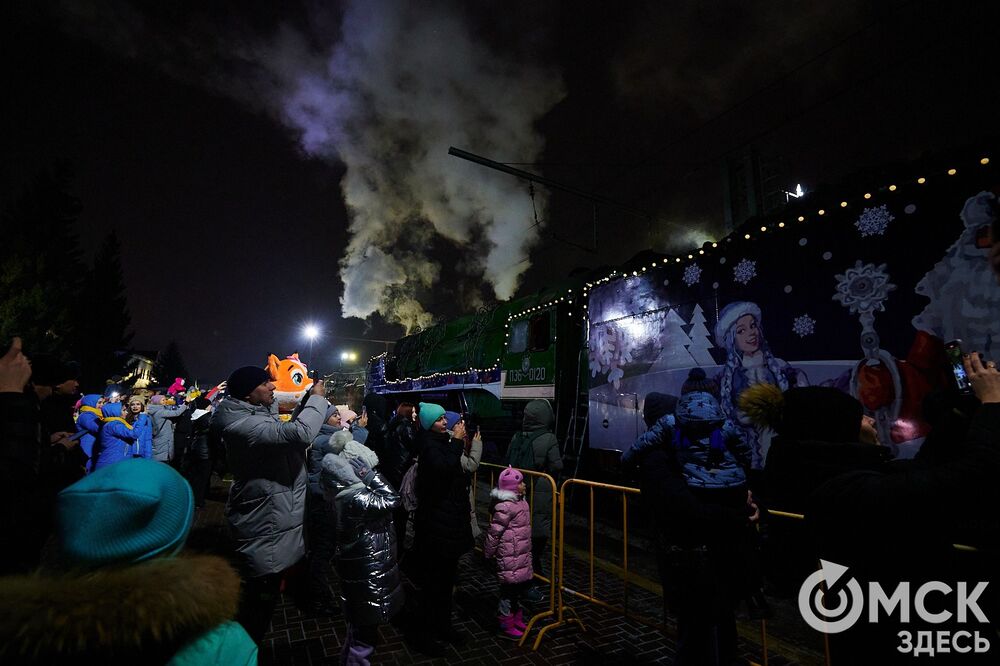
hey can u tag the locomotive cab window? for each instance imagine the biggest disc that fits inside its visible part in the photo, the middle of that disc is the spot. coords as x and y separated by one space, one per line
530 334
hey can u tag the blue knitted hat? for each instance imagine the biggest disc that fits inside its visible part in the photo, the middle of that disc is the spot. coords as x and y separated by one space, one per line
452 419
131 511
429 413
698 406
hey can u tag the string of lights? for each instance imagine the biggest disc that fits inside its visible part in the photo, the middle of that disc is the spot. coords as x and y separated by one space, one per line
666 261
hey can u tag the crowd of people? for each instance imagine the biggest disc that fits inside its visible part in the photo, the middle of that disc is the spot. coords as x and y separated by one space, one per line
100 491
887 521
103 490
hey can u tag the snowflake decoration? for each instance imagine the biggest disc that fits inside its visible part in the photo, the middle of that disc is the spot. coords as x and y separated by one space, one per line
804 325
692 274
610 350
745 271
874 221
863 288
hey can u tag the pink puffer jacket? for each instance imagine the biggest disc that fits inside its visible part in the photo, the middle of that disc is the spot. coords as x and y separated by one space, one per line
509 537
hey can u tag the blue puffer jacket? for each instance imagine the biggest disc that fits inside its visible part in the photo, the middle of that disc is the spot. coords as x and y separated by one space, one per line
143 429
89 422
116 439
320 447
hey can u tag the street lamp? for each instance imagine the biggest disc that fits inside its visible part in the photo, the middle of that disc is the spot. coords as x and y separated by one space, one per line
311 332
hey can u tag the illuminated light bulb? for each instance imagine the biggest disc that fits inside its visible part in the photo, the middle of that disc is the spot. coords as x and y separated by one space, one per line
801 219
701 252
921 180
635 272
690 256
892 188
868 195
985 160
952 172
843 204
781 225
821 211
763 228
715 245
678 260
747 236
654 265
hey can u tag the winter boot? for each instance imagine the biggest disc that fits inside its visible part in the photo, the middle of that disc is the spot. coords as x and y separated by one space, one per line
519 620
507 628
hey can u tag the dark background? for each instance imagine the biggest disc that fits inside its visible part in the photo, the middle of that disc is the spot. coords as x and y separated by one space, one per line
231 236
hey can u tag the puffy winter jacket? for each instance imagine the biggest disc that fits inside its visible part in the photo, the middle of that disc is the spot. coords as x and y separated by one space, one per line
117 437
143 428
162 417
89 422
400 448
365 559
442 516
266 506
320 447
538 416
376 408
509 537
173 611
686 512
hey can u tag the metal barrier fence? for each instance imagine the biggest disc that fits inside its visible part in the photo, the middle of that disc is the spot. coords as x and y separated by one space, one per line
536 477
562 613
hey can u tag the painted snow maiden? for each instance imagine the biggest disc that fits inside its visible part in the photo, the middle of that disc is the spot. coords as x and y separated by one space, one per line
749 361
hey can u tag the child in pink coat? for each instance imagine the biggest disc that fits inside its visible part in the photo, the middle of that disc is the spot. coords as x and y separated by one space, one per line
508 539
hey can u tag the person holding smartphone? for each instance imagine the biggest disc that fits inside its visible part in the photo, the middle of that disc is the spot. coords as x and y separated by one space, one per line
899 524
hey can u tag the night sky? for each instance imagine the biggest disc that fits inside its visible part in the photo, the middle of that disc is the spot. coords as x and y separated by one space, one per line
220 142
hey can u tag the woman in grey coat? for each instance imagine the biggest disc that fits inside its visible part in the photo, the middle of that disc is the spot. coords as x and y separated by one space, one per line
365 559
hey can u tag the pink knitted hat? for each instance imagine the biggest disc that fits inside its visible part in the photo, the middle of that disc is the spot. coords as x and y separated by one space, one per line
509 479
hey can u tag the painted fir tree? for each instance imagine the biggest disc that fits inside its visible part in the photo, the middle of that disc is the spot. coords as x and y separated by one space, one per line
701 338
675 343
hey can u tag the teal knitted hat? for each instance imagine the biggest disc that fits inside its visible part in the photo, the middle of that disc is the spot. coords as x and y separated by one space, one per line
131 511
429 413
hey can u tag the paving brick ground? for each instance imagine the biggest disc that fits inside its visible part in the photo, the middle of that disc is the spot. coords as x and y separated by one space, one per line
610 638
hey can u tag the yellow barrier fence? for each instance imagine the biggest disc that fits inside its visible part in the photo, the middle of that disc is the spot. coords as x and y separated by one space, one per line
564 614
536 477
558 610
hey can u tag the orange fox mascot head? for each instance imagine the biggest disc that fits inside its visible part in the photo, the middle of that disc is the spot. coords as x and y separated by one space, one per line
291 381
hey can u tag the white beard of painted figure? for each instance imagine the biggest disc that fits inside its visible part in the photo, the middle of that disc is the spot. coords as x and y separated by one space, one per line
965 301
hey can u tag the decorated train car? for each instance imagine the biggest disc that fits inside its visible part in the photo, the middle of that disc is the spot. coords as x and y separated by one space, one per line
491 363
857 287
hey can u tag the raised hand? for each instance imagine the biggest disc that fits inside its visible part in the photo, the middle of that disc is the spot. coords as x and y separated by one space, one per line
15 369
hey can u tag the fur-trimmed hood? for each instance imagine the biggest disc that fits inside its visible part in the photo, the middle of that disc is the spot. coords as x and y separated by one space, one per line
137 614
504 495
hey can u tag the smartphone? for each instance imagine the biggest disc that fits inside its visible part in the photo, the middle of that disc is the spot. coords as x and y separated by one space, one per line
953 350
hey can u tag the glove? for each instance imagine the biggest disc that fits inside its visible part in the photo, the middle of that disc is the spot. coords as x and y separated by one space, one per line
362 470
